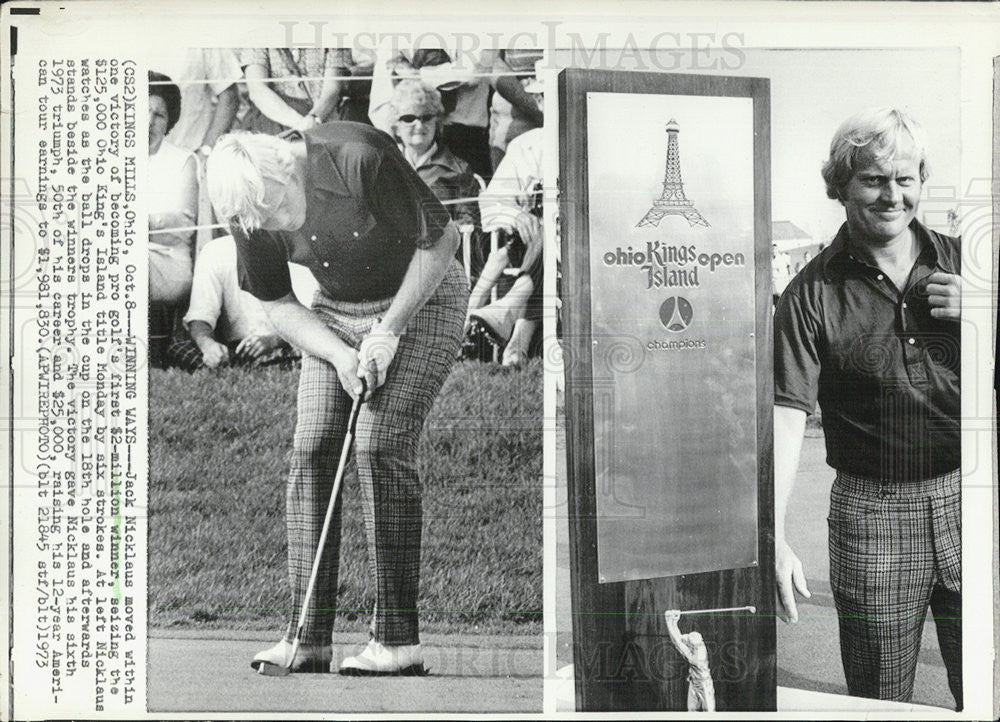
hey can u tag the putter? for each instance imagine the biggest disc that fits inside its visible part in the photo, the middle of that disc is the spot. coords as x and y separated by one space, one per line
272 670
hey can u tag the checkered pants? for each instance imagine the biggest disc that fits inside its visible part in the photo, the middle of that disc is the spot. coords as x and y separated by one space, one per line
896 549
385 447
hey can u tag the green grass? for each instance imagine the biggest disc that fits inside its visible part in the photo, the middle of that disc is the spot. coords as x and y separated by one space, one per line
219 448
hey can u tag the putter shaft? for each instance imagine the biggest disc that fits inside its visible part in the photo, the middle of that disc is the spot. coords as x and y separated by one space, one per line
344 454
751 609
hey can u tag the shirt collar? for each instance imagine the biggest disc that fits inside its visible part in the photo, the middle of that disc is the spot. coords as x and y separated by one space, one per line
838 255
421 160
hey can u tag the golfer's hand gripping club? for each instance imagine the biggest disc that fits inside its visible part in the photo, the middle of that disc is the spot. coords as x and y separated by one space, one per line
377 351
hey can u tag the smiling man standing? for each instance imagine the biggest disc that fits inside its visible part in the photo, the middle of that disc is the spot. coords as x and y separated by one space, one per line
870 330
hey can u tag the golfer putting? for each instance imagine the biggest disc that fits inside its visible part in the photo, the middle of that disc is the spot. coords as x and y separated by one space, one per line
384 329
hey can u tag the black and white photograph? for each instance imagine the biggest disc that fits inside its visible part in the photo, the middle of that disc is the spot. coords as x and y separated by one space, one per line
527 361
865 527
325 336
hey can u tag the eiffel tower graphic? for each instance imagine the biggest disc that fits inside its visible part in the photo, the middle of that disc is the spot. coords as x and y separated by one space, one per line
672 202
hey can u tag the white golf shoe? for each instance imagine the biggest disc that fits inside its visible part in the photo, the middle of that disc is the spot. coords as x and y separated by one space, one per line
309 658
380 660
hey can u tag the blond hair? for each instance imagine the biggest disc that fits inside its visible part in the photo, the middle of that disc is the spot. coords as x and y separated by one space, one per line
419 93
238 172
871 135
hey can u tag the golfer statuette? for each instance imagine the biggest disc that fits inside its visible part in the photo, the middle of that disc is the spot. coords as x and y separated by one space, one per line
672 363
701 690
341 200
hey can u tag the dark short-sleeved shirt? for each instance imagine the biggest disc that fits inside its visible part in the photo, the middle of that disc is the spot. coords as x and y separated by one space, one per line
367 211
885 372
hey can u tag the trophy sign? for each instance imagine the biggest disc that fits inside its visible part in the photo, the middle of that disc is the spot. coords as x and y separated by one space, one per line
668 394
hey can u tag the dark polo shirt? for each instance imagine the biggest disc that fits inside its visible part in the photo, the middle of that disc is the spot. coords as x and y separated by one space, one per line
366 212
885 372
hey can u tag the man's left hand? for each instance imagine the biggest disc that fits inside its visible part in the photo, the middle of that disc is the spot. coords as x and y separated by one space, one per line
256 345
306 122
944 294
375 356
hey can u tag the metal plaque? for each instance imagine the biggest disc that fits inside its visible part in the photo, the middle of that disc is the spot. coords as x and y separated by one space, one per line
671 199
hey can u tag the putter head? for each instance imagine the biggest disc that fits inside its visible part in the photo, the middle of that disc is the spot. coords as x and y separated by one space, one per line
273 670
267 662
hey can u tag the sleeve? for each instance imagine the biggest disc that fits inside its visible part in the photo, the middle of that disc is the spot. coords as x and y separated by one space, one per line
400 199
254 56
450 74
206 289
504 197
261 264
499 67
179 208
796 353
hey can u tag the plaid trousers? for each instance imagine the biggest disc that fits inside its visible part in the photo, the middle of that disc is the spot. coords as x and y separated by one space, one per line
385 453
896 549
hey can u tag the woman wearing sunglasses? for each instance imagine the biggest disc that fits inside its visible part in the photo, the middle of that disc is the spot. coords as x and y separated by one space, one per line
340 199
419 120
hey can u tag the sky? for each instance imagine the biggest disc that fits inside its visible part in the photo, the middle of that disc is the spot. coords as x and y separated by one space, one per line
813 91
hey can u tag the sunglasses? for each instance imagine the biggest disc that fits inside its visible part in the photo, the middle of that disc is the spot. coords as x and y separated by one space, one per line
409 118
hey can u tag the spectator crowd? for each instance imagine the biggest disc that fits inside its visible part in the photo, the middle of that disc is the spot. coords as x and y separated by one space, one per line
470 130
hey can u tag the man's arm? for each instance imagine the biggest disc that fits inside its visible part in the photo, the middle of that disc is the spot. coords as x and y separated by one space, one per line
789 428
257 344
302 328
424 274
336 66
512 90
333 90
507 195
222 115
267 101
205 305
222 66
673 616
182 217
213 353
